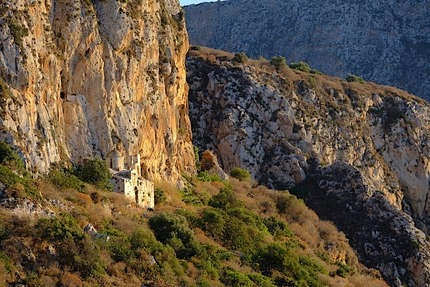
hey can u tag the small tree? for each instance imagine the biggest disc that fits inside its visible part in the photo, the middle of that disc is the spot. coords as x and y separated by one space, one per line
354 78
173 229
96 172
278 62
301 66
240 58
240 174
197 157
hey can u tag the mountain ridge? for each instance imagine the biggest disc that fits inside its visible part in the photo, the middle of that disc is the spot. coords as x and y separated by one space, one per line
383 41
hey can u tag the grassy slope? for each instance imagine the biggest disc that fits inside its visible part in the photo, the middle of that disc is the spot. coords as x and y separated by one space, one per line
209 234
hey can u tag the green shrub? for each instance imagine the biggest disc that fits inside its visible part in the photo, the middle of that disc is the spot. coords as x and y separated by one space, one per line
195 48
206 177
225 199
196 157
119 249
173 230
277 256
10 158
193 220
142 238
17 31
65 179
6 261
353 78
278 62
235 278
261 280
9 178
277 227
33 280
159 196
343 270
214 222
16 186
240 58
240 174
301 66
251 219
245 239
315 72
189 197
96 172
60 227
312 82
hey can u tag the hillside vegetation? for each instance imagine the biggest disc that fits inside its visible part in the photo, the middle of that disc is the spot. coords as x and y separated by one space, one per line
356 152
211 233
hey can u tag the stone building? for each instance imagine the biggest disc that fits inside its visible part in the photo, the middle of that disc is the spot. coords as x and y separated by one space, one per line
127 178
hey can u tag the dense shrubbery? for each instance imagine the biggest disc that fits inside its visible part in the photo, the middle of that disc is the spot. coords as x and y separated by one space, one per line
301 66
159 196
206 177
278 62
304 67
240 174
65 179
173 229
96 172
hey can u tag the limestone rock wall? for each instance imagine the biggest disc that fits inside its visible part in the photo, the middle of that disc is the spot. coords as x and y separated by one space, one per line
79 78
297 131
384 41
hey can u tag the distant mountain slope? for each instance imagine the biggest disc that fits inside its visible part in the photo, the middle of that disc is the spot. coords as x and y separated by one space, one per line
358 153
384 41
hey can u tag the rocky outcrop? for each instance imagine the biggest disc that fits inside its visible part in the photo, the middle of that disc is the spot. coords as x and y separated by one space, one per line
363 146
384 235
79 78
209 163
383 41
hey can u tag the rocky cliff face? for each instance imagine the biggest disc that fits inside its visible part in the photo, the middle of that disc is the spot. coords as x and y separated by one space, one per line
357 152
383 41
81 77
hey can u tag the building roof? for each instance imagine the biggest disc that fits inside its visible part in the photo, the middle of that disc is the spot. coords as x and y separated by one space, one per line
114 154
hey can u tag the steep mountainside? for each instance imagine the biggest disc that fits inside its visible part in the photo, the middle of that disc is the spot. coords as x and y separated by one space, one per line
58 231
81 77
357 152
384 41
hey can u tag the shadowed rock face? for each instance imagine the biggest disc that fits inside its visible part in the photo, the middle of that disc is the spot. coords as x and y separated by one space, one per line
357 153
384 41
82 77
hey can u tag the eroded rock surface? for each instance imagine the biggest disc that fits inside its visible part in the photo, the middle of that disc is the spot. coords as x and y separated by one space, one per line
79 78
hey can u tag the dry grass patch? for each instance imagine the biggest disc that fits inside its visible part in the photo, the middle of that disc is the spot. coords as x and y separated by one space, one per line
359 280
208 53
173 197
127 224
